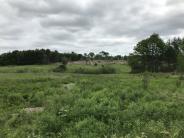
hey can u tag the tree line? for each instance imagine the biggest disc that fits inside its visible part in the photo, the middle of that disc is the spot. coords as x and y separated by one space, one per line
154 55
46 56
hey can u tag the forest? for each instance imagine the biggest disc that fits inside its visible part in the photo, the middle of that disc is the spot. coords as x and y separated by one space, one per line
46 56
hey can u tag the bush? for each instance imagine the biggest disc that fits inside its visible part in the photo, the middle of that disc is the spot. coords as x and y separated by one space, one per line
107 70
100 70
36 100
61 68
91 128
135 62
64 61
167 68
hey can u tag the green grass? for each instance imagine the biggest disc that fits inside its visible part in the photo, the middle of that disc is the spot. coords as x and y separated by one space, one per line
89 105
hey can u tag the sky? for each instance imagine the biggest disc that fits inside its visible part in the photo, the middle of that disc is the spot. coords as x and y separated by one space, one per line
84 26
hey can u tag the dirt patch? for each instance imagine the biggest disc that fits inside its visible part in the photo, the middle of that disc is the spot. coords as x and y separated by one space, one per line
34 110
100 62
69 86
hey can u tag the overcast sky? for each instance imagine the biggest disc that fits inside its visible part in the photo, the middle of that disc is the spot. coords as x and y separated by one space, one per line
87 25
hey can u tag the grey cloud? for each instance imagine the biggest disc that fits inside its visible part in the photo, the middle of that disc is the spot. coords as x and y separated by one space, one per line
143 24
174 2
57 36
171 24
74 22
34 8
10 31
74 26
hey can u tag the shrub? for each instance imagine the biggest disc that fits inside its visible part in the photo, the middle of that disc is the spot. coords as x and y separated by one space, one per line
64 61
36 100
167 68
100 70
135 62
96 64
90 127
107 70
61 68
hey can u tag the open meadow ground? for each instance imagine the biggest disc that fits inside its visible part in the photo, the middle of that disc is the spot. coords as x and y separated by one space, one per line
37 102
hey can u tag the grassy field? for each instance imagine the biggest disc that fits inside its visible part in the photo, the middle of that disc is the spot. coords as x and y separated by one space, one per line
35 102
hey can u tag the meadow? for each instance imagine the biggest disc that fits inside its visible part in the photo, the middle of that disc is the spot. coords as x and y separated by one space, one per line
36 102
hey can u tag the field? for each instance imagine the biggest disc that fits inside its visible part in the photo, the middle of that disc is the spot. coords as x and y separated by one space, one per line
37 102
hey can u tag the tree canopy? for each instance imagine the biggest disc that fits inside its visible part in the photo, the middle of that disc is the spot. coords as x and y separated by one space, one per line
46 56
153 54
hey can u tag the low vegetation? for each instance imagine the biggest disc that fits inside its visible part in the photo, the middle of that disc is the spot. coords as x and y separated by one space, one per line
71 105
97 70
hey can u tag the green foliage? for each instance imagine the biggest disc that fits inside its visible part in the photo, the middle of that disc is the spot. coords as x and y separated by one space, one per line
152 46
153 55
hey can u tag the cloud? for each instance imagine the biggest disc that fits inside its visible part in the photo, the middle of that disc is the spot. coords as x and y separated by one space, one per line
86 25
66 22
175 2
